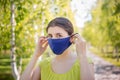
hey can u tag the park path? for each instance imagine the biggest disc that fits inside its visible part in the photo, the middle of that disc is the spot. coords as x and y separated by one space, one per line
103 69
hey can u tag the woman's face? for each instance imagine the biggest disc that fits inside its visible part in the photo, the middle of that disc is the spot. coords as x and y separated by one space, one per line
57 32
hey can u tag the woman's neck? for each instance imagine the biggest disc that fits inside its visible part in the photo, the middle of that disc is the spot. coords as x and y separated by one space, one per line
68 54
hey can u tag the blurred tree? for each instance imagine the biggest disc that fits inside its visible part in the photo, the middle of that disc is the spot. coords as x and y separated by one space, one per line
15 72
31 17
104 28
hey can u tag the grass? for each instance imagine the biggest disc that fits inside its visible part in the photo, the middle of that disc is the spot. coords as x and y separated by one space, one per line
108 57
5 67
6 76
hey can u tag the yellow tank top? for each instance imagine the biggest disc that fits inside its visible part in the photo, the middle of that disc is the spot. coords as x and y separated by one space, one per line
48 74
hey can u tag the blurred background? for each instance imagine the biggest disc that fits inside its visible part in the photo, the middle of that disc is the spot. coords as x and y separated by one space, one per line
23 21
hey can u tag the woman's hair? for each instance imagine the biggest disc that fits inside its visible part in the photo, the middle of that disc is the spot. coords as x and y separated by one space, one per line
63 23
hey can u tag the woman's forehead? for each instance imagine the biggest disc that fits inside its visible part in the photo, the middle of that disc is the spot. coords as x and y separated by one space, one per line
56 29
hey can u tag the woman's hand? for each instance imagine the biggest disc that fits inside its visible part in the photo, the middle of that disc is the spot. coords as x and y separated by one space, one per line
80 45
41 46
85 69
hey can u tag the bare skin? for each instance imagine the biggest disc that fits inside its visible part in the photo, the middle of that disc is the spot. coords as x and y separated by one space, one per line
67 58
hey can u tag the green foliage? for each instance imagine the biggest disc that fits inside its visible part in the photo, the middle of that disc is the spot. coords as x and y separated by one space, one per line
32 17
29 14
104 28
104 31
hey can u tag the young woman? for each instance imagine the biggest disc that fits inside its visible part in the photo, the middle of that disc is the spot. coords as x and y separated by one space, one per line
67 64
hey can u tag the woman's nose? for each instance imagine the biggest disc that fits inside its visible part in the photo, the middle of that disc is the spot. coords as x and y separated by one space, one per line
54 37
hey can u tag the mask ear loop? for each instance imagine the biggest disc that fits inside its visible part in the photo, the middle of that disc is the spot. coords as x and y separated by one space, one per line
73 34
47 37
74 37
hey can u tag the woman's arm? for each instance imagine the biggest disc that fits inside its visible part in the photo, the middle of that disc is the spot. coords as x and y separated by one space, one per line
36 74
92 69
86 72
40 48
27 74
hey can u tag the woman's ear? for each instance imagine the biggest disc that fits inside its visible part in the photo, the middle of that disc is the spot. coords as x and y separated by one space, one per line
72 39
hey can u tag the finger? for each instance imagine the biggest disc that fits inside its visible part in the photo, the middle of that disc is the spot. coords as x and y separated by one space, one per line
80 38
76 42
73 34
72 38
77 36
41 39
45 44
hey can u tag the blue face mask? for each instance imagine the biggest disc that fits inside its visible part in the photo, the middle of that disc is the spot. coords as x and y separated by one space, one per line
58 46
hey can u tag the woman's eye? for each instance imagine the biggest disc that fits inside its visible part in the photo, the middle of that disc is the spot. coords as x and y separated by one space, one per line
49 36
59 36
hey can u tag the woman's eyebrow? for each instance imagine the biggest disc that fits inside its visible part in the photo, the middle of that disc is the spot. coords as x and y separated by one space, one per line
55 34
58 33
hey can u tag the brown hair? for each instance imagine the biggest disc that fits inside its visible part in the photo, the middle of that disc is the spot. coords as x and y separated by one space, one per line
63 23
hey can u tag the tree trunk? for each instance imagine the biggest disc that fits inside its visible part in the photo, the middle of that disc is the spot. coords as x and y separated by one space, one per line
20 65
117 54
15 72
